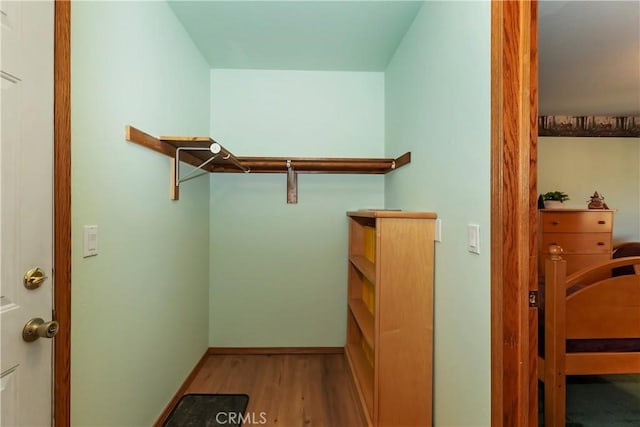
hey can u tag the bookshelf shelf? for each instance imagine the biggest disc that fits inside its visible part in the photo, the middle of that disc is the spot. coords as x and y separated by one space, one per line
364 266
364 319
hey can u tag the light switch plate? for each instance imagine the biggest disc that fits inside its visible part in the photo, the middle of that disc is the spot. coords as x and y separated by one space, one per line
473 238
437 235
90 241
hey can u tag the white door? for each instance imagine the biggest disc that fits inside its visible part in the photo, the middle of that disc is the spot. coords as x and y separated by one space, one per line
26 207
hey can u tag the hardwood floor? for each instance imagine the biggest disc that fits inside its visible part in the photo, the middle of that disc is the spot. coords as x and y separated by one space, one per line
286 390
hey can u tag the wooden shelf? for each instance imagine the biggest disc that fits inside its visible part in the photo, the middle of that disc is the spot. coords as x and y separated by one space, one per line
364 266
377 213
195 151
364 318
363 371
168 146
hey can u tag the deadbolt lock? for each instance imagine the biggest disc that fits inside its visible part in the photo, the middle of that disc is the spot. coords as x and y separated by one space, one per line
36 328
34 278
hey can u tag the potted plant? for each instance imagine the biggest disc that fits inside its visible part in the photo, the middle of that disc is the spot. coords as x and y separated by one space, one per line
554 199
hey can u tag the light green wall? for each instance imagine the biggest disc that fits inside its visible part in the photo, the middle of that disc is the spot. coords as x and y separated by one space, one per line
438 107
278 271
580 166
140 314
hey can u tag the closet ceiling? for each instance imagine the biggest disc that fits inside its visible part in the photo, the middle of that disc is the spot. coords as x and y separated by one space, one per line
589 51
297 35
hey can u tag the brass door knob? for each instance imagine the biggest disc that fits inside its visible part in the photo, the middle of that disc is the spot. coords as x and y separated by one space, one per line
34 278
36 328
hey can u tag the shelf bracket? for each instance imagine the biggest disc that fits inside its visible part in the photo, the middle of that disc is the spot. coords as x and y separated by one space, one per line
292 184
175 167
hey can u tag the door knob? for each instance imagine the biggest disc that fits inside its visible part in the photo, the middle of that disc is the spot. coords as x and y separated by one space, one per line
34 278
36 328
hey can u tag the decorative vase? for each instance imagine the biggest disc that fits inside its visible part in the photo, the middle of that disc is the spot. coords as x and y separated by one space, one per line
553 204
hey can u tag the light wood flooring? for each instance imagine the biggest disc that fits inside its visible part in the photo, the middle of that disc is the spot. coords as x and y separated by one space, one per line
287 390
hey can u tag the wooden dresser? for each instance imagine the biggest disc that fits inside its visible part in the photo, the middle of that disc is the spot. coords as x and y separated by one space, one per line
585 236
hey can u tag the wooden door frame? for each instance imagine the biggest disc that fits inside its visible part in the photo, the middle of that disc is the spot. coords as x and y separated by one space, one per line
514 108
513 211
62 213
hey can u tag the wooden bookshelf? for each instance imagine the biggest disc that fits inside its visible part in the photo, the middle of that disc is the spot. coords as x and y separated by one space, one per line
390 315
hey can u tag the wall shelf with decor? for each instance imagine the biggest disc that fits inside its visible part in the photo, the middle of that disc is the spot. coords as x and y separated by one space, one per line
208 156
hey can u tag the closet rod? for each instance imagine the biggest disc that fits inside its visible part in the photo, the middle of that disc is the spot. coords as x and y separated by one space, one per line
324 165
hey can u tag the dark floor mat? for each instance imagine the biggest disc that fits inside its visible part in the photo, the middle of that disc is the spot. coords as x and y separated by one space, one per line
208 410
600 401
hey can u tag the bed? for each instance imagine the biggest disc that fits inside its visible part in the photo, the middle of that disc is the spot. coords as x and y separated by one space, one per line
589 325
623 250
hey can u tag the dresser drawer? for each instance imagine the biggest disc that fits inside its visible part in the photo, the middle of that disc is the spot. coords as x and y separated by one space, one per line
577 222
578 243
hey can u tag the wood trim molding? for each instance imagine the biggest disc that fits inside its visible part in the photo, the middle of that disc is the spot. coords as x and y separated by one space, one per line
513 211
62 213
533 212
274 350
182 390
